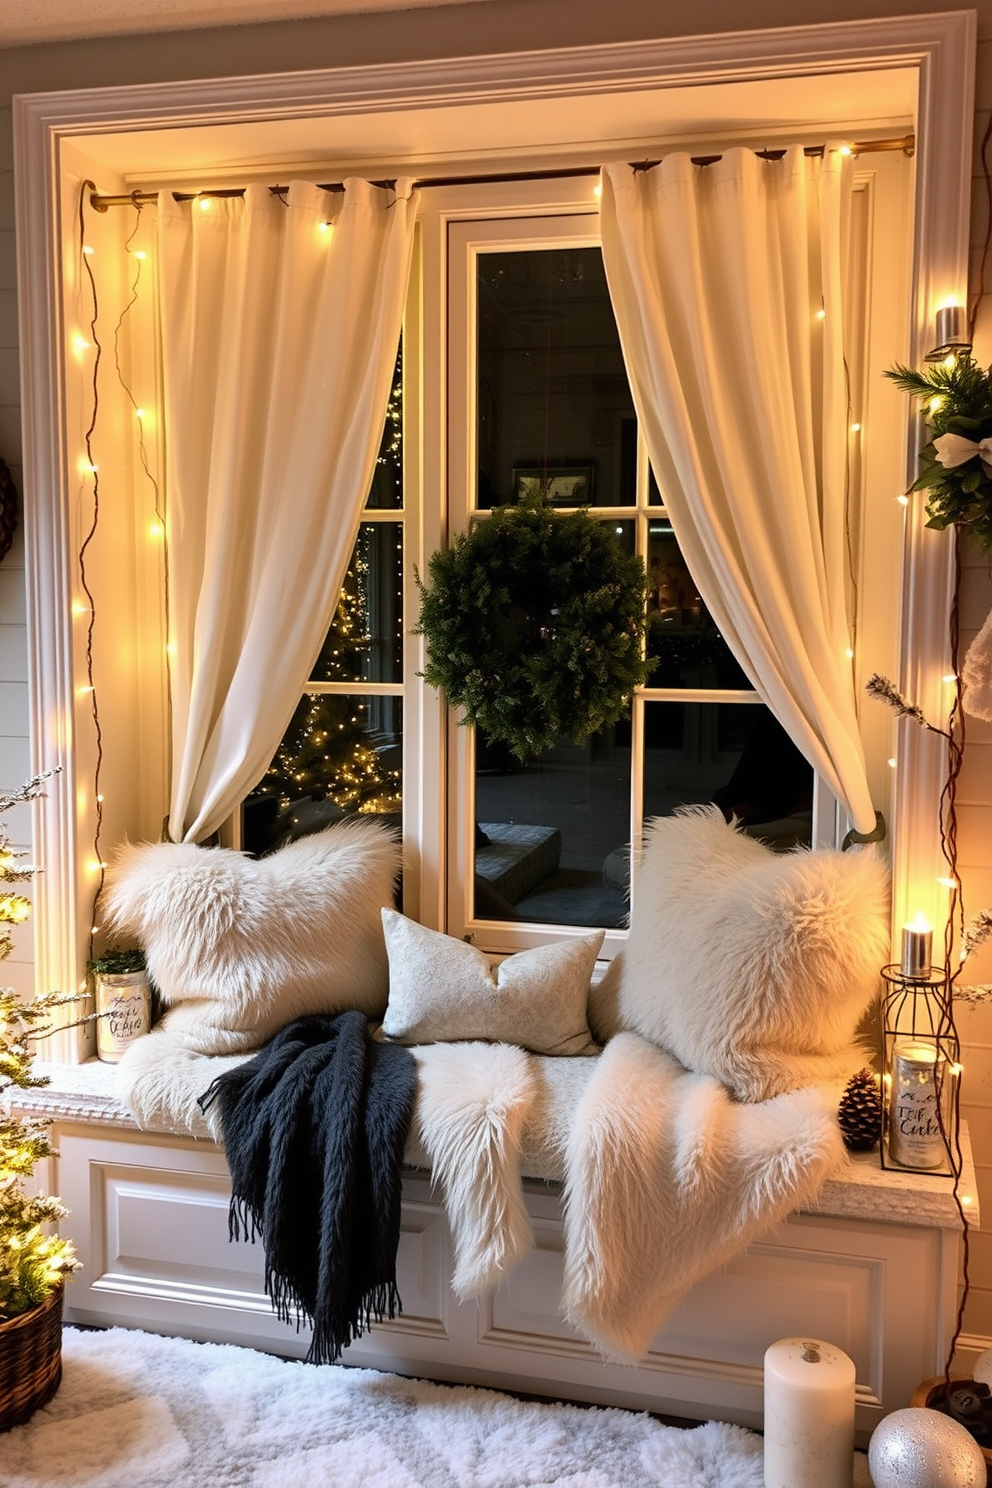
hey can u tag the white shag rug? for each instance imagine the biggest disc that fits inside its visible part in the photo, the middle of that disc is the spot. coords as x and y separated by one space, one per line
138 1411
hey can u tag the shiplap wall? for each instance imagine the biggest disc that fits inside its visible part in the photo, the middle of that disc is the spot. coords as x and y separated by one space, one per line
454 31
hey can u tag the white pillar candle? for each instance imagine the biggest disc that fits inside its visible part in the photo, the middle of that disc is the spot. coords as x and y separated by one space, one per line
952 326
917 949
809 1415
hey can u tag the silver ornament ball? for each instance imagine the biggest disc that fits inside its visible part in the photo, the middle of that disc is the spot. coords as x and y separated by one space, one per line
918 1448
982 1372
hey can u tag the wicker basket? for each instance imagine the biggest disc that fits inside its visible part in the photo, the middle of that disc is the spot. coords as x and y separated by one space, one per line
30 1360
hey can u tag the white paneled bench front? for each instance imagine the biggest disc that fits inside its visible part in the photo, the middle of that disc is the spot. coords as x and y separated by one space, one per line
874 1267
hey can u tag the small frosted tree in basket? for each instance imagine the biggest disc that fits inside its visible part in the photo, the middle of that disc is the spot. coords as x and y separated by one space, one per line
32 1261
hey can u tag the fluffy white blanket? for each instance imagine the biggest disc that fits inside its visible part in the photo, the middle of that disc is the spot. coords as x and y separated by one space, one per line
665 1177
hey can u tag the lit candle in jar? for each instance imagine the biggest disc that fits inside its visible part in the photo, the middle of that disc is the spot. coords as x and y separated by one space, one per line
917 949
809 1415
915 1139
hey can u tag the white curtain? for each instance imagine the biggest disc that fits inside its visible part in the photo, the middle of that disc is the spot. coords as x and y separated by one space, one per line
280 326
726 285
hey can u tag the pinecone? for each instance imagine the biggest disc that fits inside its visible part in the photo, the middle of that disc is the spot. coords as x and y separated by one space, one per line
860 1112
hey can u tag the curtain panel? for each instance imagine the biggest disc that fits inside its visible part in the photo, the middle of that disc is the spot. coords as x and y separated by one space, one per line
726 285
280 322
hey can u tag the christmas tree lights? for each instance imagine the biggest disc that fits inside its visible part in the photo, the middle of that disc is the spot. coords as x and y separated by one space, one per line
342 749
32 1262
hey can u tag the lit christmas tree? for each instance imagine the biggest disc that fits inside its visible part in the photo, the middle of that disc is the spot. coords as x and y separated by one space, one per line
331 751
32 1263
328 751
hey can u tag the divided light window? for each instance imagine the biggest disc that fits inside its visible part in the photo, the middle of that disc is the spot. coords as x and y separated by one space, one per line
535 396
533 339
343 750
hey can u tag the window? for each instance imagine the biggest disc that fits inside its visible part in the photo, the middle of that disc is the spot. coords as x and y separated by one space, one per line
537 399
343 750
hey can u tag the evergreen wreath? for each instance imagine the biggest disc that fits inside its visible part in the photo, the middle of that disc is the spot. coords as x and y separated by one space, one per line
957 462
534 623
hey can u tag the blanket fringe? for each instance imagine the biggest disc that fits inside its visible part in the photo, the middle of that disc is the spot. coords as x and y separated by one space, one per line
242 1221
380 1304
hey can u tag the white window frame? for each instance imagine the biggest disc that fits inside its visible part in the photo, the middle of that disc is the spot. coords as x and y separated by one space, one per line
535 216
940 47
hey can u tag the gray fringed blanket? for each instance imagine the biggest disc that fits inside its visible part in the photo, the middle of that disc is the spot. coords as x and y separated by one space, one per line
314 1128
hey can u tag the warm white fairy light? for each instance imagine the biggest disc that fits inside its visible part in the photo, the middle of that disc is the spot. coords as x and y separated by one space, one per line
903 499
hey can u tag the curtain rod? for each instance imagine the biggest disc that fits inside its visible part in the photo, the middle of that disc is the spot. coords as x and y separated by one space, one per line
906 143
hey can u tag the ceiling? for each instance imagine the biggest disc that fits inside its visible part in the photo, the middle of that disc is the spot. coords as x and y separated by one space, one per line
627 126
23 22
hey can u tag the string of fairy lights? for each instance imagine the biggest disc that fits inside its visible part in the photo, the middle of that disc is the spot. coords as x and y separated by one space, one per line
330 750
88 608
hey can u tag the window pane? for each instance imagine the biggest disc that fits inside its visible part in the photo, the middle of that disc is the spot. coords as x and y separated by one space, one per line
546 831
735 754
365 639
554 408
387 478
685 644
340 755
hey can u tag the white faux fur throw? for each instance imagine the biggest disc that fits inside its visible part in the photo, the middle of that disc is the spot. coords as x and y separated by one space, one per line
665 1176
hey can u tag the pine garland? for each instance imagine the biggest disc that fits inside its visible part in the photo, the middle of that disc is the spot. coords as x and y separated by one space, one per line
958 402
534 623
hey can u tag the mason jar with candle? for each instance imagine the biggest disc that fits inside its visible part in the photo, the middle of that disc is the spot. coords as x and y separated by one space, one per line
122 993
920 1078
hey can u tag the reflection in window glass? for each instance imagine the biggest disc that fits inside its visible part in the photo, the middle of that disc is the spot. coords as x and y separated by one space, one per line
387 478
736 754
341 754
546 831
682 639
555 413
365 639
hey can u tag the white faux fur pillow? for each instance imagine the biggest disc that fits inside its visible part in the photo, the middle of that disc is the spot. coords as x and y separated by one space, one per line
239 947
748 965
444 989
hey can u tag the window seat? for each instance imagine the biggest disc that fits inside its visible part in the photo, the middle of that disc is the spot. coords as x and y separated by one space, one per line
873 1268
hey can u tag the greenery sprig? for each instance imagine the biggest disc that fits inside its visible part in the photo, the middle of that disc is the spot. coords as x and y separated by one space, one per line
534 623
956 464
117 962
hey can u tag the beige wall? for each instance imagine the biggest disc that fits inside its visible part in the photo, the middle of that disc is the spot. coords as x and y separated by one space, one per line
500 25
